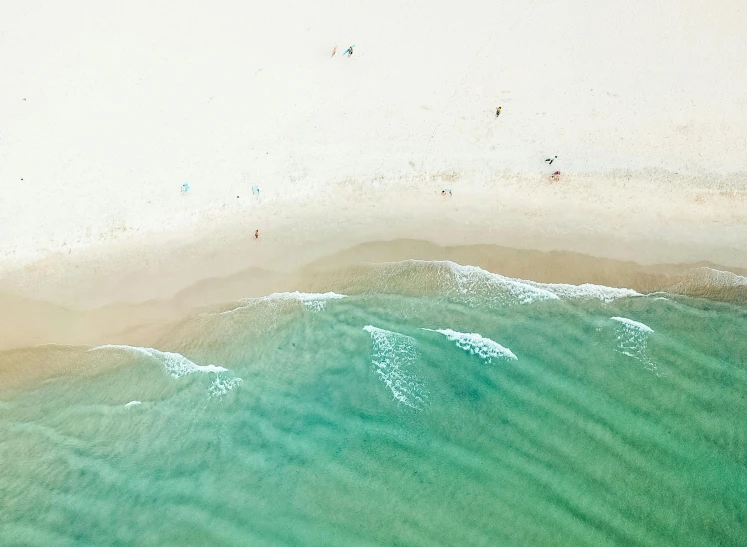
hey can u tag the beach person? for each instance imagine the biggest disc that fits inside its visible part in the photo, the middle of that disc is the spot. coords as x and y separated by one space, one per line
185 188
256 234
550 160
349 51
446 191
555 176
498 111
334 51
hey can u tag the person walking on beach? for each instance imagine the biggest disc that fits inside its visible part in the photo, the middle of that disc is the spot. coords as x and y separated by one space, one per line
256 234
498 111
550 160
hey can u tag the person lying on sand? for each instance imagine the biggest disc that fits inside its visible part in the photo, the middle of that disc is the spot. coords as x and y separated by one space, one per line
550 160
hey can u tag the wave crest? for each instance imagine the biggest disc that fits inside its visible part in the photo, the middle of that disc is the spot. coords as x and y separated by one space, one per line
175 363
477 344
632 339
178 366
475 286
635 325
720 277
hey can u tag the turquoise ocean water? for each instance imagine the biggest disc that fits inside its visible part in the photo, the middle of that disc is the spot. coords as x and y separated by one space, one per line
421 403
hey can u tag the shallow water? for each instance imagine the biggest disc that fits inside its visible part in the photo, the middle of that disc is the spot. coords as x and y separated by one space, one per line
433 404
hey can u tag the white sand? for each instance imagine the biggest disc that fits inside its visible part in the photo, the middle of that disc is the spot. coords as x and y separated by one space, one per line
645 103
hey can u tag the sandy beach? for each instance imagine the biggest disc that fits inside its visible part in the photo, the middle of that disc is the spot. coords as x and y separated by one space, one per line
106 113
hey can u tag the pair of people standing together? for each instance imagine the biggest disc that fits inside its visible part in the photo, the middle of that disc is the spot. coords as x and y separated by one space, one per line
348 52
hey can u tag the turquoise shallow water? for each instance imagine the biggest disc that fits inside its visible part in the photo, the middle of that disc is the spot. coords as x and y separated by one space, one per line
434 404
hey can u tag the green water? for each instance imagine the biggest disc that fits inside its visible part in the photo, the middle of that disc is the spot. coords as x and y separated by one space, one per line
341 421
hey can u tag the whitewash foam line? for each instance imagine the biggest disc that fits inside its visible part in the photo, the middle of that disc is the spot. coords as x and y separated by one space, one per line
477 344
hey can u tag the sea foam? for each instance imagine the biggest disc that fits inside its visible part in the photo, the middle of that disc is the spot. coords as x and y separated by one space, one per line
222 385
472 280
175 363
132 403
475 285
477 344
394 355
588 291
633 324
178 366
530 291
632 339
721 277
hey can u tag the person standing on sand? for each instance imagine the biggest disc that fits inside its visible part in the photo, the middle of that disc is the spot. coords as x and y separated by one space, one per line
550 160
256 234
498 111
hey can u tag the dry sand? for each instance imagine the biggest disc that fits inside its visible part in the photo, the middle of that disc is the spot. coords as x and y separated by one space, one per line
105 112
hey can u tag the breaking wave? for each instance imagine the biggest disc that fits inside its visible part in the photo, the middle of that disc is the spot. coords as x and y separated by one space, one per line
720 277
632 339
478 345
635 325
178 366
474 285
587 291
222 385
175 363
393 355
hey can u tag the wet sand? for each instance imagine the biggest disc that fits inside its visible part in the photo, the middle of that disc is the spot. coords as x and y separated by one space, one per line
27 322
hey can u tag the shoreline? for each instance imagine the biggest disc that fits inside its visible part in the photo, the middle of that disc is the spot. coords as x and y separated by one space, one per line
615 231
26 322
